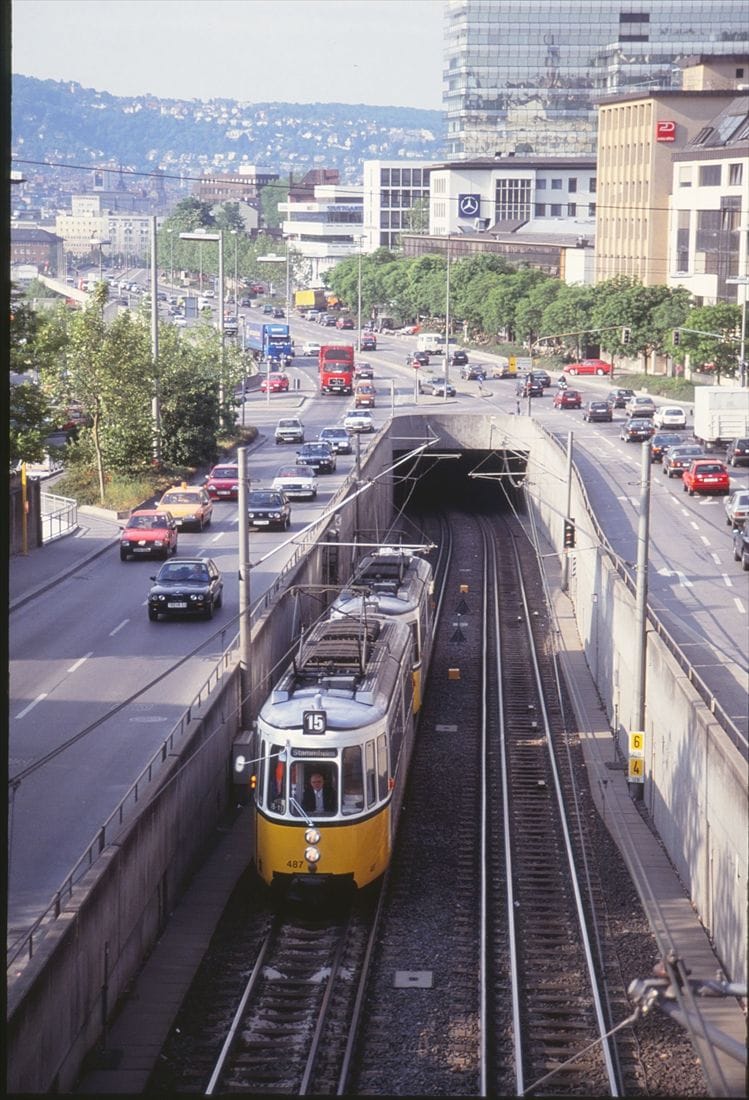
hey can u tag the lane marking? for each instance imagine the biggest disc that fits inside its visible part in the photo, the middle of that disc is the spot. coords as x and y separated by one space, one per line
716 558
705 539
727 579
683 581
696 526
740 604
31 705
80 661
117 629
217 537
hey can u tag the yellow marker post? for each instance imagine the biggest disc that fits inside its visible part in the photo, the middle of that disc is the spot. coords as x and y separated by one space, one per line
636 762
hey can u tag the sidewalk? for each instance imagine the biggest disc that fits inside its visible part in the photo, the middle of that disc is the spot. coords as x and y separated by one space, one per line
31 574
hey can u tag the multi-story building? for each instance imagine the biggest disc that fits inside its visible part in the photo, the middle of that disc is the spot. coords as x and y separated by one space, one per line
524 77
396 192
244 185
35 247
91 226
327 229
638 135
709 221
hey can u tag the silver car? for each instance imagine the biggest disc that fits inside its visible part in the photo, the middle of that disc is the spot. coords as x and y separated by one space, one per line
297 482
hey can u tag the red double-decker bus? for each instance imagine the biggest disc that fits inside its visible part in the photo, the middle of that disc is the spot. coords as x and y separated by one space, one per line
336 368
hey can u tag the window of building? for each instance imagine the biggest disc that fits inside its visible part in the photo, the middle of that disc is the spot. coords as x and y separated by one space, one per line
405 177
703 135
592 185
416 177
709 175
512 200
556 185
440 185
685 175
395 177
384 177
735 174
591 210
539 210
571 209
572 184
556 210
682 242
540 185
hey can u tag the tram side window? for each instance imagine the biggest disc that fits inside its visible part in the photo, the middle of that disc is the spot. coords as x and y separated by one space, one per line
415 632
352 800
277 778
369 752
382 765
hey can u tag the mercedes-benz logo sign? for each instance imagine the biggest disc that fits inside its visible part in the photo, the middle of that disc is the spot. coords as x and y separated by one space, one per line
468 206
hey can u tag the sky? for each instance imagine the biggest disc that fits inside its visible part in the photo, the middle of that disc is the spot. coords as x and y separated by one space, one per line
379 52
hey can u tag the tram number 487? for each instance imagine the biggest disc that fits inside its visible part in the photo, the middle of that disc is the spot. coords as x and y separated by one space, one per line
314 721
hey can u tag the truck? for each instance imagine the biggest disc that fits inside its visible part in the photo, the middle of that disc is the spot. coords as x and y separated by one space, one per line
310 299
336 368
269 341
720 415
433 343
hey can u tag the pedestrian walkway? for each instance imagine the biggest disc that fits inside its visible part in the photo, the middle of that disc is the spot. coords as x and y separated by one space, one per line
30 574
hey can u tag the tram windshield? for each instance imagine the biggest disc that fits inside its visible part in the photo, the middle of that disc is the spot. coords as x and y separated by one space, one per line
315 787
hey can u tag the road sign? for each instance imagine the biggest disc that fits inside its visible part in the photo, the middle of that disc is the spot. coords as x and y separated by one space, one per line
636 743
636 770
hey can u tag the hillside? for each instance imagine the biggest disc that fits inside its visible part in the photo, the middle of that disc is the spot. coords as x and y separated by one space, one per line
56 121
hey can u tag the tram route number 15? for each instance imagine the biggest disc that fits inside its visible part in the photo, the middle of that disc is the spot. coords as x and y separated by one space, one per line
314 721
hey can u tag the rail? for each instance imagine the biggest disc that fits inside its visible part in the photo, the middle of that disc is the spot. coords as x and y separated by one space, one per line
59 516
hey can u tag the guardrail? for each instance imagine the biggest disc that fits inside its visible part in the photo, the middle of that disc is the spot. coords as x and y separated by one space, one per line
59 516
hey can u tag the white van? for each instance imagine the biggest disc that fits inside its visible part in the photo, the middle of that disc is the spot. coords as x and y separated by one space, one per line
431 342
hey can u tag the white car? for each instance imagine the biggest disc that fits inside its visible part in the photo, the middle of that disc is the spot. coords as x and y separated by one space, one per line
670 416
311 348
737 507
297 482
358 420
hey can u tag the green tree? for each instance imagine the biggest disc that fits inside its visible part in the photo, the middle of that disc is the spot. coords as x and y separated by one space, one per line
568 318
29 423
270 196
710 336
530 309
417 218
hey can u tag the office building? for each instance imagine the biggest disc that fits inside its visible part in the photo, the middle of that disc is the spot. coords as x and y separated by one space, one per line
326 229
524 77
396 195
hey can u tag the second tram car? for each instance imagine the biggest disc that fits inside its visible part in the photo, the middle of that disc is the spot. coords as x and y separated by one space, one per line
395 582
334 740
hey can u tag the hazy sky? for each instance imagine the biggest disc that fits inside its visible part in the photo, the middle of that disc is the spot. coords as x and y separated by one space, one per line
386 52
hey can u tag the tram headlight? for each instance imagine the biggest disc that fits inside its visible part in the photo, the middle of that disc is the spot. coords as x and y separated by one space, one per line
312 854
312 836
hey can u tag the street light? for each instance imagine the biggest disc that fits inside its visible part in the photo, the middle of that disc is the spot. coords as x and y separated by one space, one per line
447 320
235 235
220 323
171 258
97 242
272 258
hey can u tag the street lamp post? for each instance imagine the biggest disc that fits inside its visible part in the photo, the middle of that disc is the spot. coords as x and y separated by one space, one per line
272 258
171 258
358 300
447 321
235 235
219 237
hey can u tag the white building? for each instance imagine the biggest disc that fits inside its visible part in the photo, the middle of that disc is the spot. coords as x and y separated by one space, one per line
391 189
327 229
91 225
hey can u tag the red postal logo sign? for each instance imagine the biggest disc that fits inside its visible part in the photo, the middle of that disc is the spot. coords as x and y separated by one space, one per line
665 131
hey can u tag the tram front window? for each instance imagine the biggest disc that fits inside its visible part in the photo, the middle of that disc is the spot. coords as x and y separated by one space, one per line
314 788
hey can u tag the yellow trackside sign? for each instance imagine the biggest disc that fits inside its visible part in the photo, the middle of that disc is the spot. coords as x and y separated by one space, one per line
636 762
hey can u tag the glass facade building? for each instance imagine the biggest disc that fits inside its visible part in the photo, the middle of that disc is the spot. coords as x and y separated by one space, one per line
523 76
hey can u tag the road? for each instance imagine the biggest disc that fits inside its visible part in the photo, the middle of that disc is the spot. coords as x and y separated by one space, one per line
88 647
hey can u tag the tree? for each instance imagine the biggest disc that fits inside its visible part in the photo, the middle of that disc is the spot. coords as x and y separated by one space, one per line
270 196
29 423
568 316
417 218
713 344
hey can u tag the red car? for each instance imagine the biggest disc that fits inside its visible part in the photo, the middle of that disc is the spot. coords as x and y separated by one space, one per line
568 399
705 475
149 534
275 383
222 483
588 366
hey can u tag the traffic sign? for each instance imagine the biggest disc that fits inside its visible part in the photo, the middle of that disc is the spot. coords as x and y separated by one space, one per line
636 770
636 743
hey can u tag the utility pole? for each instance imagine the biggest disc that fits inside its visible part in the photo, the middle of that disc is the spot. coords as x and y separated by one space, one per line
155 399
245 626
568 505
641 600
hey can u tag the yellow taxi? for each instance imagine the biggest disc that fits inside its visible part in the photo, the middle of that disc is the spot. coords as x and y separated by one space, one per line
190 505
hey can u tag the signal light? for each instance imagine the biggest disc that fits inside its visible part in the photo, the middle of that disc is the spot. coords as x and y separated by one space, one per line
676 337
569 534
626 335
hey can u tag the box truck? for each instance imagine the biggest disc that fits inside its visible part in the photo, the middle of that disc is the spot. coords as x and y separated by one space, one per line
720 415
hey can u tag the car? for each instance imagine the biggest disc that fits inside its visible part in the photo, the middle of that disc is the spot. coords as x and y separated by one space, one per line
737 507
588 366
365 395
541 376
670 416
568 399
148 533
245 301
327 320
368 341
363 370
737 452
344 322
359 420
231 328
312 315
637 429
436 385
321 456
311 347
418 359
741 544
598 410
268 309
473 372
619 397
180 322
661 442
190 505
184 587
222 483
289 429
274 382
268 508
458 358
529 387
338 438
705 475
500 369
278 313
641 406
676 459
296 482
